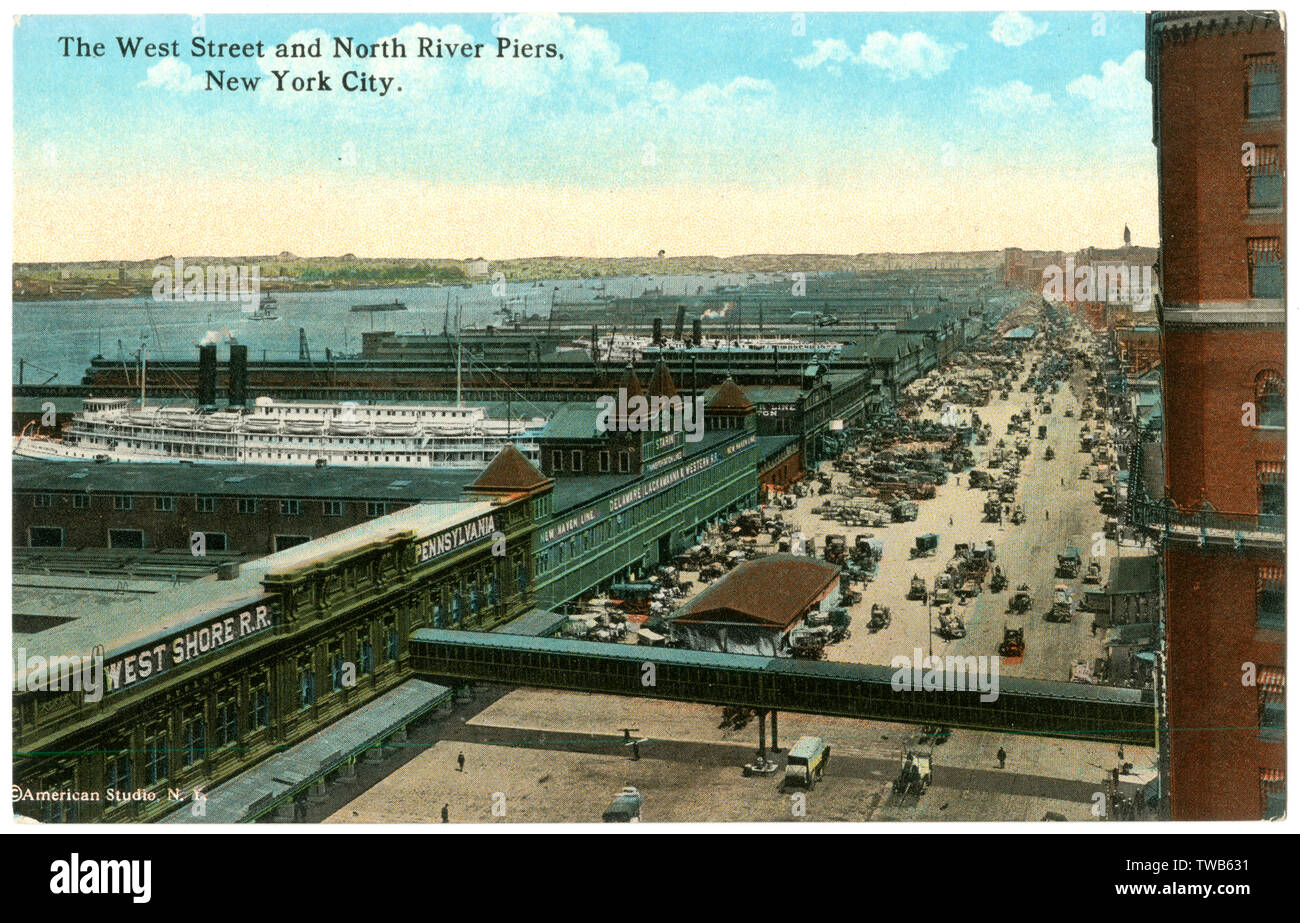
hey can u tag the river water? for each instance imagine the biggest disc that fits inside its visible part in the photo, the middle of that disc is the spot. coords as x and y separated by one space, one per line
60 337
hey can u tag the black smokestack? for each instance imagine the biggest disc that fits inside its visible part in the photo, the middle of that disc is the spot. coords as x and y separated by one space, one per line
681 322
238 375
697 331
658 328
208 375
595 343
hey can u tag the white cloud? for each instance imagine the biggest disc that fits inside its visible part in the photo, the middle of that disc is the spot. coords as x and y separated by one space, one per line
174 75
827 49
1012 98
913 53
1014 29
1121 87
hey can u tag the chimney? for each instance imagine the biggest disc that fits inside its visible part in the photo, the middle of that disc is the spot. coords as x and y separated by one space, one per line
208 376
238 375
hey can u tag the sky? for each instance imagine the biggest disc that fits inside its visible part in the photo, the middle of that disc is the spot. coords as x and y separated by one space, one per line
715 134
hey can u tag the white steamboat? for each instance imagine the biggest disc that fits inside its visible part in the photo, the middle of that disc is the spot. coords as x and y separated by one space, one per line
288 433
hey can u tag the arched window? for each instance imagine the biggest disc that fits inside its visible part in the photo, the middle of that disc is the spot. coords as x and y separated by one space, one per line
457 605
1270 399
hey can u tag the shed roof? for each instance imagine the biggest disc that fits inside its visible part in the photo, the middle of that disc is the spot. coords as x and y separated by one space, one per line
1134 575
774 591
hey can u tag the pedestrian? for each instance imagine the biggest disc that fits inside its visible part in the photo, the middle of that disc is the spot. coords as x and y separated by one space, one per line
460 763
1094 628
949 520
446 814
1002 758
636 749
1047 514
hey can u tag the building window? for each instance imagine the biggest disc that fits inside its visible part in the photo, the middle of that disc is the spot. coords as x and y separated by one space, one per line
125 538
306 684
365 653
227 721
283 542
261 702
1270 399
290 507
333 507
1272 489
118 772
1272 793
557 460
575 460
492 590
196 741
1264 179
392 642
624 462
122 503
41 501
1264 256
45 537
1270 598
164 504
215 541
205 504
1263 87
521 576
604 462
439 615
1270 683
248 506
474 601
81 501
457 608
376 508
156 748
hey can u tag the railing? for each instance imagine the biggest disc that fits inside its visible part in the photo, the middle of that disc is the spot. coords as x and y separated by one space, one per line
1165 515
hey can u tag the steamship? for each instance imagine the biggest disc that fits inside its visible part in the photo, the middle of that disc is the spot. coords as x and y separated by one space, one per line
287 433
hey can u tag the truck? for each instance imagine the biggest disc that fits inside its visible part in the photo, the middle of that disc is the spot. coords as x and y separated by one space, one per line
1042 431
1062 604
1068 563
806 763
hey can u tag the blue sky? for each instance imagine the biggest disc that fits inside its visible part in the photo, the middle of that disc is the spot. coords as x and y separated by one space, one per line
717 133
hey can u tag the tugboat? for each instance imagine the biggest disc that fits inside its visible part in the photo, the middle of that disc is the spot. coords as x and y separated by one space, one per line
265 309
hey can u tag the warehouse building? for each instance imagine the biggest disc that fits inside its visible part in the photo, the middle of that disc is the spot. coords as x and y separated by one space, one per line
752 609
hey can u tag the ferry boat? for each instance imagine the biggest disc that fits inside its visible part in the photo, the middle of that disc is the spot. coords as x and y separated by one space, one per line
287 433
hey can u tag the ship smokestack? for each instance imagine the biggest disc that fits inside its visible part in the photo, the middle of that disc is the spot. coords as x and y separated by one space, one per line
595 343
681 322
658 328
208 376
238 375
697 331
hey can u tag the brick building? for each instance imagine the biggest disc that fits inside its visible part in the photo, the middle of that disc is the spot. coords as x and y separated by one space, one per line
1219 130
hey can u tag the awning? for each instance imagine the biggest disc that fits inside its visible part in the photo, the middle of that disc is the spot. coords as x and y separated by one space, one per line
1271 682
1272 472
1270 577
279 778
